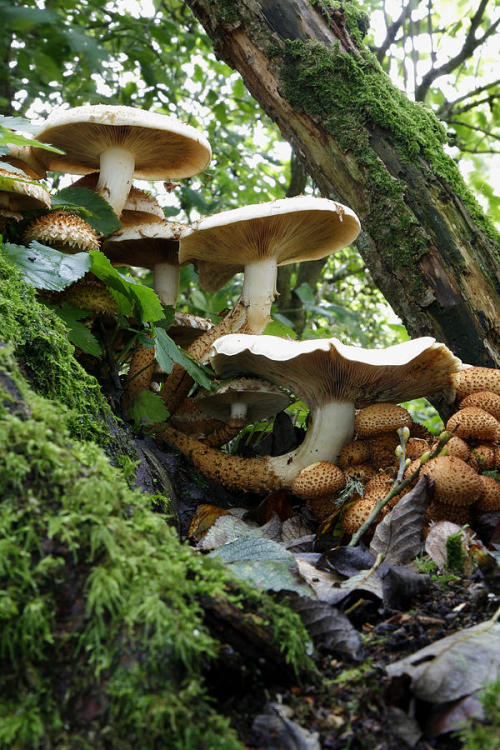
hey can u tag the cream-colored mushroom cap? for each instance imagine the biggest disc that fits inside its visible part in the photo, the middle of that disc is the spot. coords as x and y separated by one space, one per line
17 194
163 146
379 418
249 398
188 327
319 370
122 143
455 483
145 243
317 480
289 229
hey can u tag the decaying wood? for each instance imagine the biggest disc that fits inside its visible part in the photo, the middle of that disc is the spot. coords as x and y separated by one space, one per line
450 288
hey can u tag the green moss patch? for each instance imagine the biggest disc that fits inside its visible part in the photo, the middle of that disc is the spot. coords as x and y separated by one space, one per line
102 636
41 345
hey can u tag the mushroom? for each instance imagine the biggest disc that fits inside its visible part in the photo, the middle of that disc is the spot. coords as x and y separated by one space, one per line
490 497
17 195
122 143
472 379
318 480
23 158
486 400
154 244
472 422
455 482
258 238
378 419
330 378
250 399
139 206
63 231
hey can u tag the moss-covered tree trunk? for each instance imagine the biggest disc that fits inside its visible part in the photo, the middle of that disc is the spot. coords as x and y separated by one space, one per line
430 249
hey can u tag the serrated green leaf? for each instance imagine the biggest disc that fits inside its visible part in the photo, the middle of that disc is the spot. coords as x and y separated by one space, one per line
46 268
144 301
147 408
166 352
98 212
278 328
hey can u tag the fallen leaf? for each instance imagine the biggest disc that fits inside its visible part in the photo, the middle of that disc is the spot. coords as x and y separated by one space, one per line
398 536
454 666
330 629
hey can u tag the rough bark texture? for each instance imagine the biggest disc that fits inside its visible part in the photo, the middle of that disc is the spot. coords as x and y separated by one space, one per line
429 248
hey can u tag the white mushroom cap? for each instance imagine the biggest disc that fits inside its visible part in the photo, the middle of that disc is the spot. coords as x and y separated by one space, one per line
163 146
257 399
321 370
16 194
258 238
289 229
150 244
122 143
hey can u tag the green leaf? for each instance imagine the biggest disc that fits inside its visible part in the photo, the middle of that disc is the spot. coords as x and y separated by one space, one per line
45 267
264 563
278 328
146 304
78 333
98 212
167 352
148 408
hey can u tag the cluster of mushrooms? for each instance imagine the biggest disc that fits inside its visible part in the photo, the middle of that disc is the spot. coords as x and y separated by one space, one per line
352 393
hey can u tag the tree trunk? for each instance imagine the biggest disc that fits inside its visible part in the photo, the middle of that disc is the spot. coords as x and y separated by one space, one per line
429 248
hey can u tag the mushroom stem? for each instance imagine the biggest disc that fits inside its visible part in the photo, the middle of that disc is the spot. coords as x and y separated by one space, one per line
258 293
115 177
239 410
332 426
166 282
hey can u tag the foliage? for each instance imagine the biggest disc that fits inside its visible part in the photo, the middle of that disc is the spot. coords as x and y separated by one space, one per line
483 734
100 602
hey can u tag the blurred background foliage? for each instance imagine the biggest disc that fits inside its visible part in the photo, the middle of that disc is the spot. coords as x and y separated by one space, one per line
154 55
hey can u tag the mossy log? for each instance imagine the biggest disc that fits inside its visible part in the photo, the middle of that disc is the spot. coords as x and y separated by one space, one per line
426 241
113 633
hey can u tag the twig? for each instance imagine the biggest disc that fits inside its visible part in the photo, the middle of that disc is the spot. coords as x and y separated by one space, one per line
398 486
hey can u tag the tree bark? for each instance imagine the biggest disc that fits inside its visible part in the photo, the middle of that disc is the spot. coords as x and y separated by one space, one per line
428 246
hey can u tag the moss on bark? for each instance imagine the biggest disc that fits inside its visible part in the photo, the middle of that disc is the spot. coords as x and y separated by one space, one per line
103 640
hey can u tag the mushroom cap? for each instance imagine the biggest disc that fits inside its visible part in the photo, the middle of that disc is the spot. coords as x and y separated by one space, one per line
490 498
355 452
21 195
416 447
486 400
164 147
484 457
262 399
187 327
356 514
145 243
139 206
362 472
473 422
63 231
318 479
23 158
323 370
382 450
289 229
457 447
379 418
437 511
473 379
455 483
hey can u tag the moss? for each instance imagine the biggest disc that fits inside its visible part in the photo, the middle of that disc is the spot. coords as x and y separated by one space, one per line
355 99
102 637
228 12
482 734
41 344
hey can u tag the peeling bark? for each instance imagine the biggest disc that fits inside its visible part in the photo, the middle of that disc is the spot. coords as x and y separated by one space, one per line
432 256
